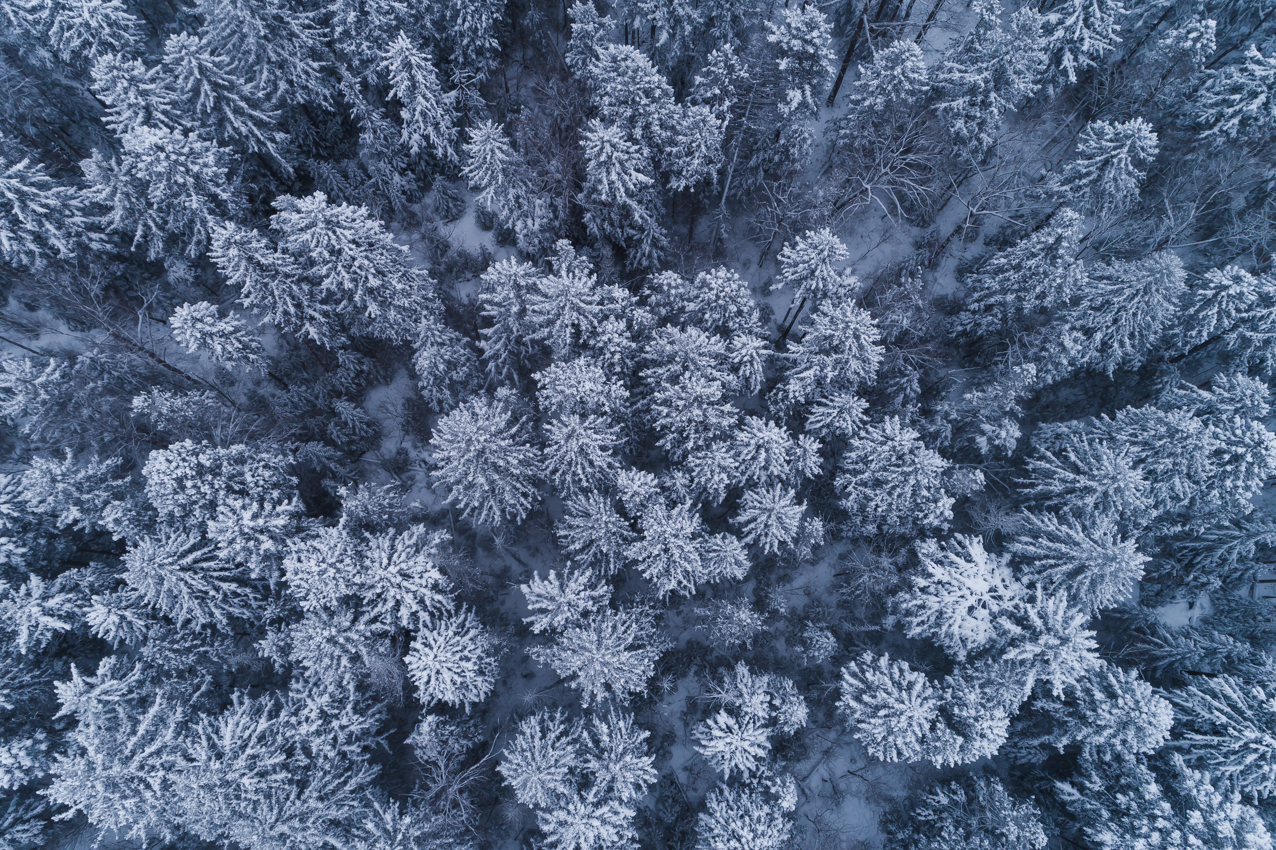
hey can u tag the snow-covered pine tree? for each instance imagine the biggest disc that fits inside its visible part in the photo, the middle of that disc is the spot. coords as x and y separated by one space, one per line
483 457
121 753
588 37
583 780
1111 164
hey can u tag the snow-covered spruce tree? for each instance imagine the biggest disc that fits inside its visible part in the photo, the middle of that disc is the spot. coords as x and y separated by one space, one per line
1123 312
890 483
1026 280
1113 713
610 654
452 660
1123 803
836 354
183 578
1092 563
333 269
987 75
1079 32
39 217
1088 478
1227 729
756 816
484 458
1111 164
808 267
962 597
667 551
580 454
755 707
897 78
763 452
472 44
213 98
490 167
770 518
556 603
583 779
801 39
226 340
1236 102
892 709
976 811
733 743
166 191
566 307
508 342
618 197
425 111
592 532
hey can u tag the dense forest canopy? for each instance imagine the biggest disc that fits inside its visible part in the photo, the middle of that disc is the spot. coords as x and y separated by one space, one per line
662 424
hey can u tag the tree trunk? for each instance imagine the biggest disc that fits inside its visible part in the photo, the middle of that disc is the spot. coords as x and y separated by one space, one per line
846 60
930 19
